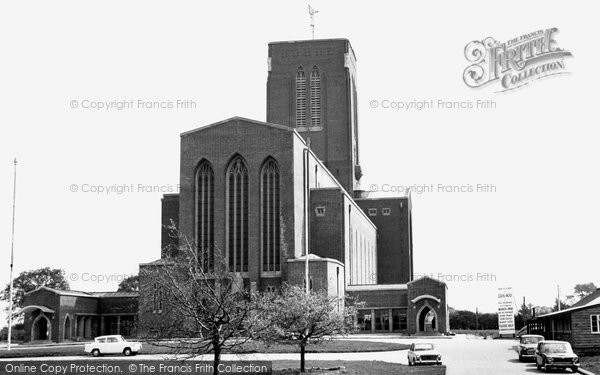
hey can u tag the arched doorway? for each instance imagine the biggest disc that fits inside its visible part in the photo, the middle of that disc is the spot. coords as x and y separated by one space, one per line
427 320
41 329
67 328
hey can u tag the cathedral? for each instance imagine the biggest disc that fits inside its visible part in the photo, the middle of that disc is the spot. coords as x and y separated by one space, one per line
262 192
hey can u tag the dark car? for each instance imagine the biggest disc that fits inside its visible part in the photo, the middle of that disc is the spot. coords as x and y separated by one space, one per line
555 355
527 346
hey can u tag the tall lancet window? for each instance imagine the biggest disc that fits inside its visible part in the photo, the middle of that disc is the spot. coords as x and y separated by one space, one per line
270 210
300 98
205 212
315 97
237 215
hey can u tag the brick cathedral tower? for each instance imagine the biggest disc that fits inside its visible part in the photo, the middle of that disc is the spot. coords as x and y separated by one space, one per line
312 87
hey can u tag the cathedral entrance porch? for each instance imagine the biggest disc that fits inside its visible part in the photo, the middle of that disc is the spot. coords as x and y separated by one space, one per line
426 320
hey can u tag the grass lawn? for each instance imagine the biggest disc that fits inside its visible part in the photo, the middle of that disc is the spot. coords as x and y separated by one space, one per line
335 346
590 363
354 368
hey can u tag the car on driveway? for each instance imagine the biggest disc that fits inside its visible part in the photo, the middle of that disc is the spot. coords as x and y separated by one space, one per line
555 355
112 344
423 353
527 346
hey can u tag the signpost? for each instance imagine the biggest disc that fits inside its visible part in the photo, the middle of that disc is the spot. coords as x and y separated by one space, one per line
506 316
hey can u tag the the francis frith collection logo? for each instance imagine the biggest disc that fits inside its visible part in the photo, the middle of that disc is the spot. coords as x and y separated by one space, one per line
514 63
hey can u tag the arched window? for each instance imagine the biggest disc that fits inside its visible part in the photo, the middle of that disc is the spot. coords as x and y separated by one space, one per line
300 98
205 212
270 211
315 97
157 299
237 215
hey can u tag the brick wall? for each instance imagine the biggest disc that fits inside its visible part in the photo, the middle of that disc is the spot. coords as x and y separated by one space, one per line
361 246
72 305
118 305
390 298
254 142
325 274
327 237
45 298
394 241
428 286
318 177
333 142
150 318
169 212
341 231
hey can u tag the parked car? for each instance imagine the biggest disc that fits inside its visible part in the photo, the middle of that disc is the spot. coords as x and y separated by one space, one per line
555 355
112 344
527 346
423 353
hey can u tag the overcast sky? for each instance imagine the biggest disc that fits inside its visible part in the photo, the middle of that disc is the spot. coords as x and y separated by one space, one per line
535 230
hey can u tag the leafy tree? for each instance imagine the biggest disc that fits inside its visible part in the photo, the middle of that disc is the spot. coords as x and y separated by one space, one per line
28 281
563 305
129 284
542 310
582 290
488 321
524 314
300 318
468 320
17 333
207 308
525 310
463 319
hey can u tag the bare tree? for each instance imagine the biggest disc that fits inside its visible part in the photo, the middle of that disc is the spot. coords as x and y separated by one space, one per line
194 305
300 318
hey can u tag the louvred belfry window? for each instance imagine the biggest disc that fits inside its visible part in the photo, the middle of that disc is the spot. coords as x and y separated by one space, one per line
315 97
300 98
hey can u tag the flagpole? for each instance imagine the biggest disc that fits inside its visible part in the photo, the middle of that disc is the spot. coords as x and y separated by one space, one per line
12 257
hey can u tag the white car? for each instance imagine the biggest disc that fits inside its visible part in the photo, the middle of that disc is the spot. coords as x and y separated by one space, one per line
423 353
112 344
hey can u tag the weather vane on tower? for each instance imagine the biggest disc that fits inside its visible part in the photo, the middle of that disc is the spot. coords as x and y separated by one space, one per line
312 13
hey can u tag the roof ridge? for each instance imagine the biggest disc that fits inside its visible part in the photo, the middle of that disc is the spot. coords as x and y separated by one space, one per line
238 118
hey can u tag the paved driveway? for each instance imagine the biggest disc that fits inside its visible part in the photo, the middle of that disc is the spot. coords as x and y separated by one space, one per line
471 355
